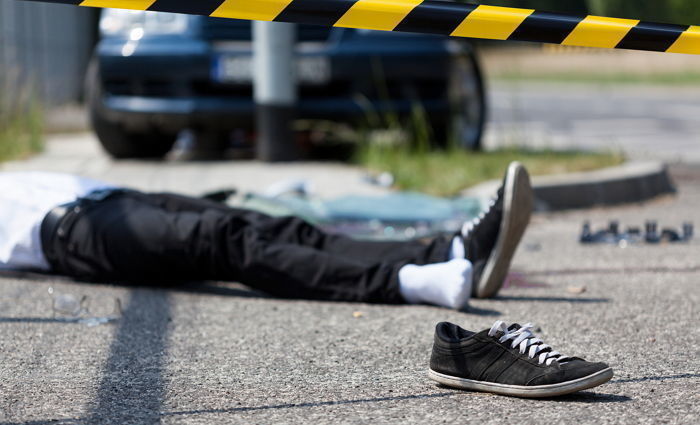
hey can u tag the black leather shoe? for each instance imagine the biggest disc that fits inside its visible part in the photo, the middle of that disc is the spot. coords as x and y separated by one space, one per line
509 360
490 240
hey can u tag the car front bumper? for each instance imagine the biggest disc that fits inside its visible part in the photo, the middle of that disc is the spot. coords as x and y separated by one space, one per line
227 114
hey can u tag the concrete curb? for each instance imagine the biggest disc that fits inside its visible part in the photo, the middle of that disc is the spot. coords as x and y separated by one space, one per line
628 183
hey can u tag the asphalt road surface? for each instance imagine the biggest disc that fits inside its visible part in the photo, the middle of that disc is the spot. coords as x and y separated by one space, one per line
218 353
642 122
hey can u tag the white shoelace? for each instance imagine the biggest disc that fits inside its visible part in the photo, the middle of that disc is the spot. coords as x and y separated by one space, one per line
525 338
469 226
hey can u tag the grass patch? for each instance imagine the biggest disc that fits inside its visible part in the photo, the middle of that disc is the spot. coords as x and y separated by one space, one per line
21 129
448 172
671 78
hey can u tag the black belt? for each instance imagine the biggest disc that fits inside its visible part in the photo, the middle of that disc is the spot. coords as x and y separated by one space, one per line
58 222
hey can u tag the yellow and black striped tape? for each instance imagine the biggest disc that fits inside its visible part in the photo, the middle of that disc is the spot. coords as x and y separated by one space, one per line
438 17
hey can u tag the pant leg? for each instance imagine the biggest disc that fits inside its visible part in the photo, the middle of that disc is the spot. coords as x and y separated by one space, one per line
176 203
293 230
129 237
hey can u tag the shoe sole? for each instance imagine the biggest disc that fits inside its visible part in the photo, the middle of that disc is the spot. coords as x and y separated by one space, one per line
539 391
517 209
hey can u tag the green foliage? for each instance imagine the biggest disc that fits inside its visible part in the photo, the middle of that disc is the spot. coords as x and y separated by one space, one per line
571 6
448 172
673 11
612 78
21 125
684 12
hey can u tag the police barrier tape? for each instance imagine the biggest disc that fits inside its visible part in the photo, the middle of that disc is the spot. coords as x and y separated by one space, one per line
437 17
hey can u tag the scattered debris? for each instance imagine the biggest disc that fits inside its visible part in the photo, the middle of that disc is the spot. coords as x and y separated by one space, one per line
634 235
397 215
96 321
576 289
533 246
357 314
384 179
519 280
300 187
69 304
70 309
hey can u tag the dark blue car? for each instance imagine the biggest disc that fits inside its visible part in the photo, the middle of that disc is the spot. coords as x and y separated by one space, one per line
155 74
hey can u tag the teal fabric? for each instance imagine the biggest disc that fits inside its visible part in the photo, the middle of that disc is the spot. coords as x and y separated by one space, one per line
399 215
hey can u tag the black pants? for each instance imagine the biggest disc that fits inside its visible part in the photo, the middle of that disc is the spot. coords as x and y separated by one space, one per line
136 237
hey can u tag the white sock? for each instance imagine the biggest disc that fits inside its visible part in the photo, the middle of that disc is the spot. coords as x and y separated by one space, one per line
457 249
446 284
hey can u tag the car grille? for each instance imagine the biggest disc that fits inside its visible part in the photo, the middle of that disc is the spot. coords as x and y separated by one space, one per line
234 29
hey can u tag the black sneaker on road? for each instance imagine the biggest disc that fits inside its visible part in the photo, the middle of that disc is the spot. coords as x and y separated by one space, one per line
491 239
508 360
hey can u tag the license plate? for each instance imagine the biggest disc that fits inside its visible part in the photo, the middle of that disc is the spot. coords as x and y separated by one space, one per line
239 70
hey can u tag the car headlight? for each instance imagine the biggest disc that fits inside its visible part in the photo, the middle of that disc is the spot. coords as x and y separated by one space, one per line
119 22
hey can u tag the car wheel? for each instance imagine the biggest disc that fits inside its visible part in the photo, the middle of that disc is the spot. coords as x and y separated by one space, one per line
465 126
119 142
